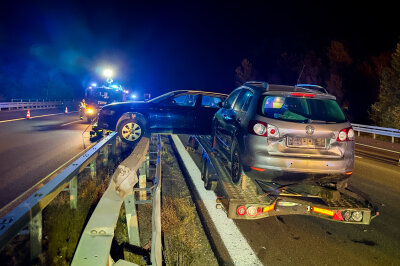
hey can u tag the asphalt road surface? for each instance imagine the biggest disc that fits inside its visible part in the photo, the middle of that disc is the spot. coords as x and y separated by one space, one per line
305 240
302 240
32 149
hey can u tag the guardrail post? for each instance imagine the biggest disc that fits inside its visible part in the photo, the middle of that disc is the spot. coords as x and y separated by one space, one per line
374 135
35 230
392 139
131 220
105 156
93 168
142 180
73 192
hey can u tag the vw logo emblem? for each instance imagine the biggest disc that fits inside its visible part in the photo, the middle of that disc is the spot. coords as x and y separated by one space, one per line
309 130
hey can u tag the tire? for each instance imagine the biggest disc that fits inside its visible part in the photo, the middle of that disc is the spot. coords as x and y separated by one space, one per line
131 131
236 164
205 175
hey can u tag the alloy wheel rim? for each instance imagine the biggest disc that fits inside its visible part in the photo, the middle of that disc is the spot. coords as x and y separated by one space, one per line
131 131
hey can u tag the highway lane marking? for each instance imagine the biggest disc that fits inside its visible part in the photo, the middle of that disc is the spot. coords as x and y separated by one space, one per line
377 148
236 244
23 118
358 156
40 182
70 123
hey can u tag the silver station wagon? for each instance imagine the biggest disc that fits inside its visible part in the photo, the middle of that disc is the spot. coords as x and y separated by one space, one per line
287 134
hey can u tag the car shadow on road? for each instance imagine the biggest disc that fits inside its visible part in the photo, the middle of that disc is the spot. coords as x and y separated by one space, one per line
60 126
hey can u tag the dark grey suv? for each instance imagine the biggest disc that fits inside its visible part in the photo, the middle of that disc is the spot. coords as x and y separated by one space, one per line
285 134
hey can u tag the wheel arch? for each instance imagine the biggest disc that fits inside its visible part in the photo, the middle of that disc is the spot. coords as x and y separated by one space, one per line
132 115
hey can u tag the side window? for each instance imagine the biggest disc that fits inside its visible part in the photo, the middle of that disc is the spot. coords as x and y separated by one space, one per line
243 101
210 101
184 100
231 98
249 97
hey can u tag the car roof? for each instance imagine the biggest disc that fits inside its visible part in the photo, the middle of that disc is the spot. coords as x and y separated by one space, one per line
307 88
200 92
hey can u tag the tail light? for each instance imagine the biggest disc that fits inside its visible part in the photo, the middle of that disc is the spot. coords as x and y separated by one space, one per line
263 129
258 128
346 134
300 94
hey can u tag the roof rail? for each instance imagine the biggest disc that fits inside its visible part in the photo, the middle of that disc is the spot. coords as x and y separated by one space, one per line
312 87
262 84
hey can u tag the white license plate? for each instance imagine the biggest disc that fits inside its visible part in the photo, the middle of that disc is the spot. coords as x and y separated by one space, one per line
306 142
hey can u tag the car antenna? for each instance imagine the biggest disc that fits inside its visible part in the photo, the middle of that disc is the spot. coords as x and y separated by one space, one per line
301 73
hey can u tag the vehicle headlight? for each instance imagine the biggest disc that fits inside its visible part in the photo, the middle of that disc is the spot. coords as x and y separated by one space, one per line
89 111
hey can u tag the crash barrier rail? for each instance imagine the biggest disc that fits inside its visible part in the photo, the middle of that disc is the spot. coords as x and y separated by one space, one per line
391 132
38 100
95 243
29 212
15 106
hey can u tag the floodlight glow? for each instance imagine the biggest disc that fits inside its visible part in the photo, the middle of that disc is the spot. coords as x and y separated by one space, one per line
108 73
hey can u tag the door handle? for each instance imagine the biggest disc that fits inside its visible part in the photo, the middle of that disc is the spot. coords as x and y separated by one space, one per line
227 117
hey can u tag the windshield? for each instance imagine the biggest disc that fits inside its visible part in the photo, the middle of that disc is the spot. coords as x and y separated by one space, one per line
302 110
162 97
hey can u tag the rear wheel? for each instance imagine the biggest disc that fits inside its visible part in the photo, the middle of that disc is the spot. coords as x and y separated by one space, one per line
209 184
131 131
236 164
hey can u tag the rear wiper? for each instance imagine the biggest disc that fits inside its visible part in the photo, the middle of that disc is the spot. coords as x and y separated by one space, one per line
311 121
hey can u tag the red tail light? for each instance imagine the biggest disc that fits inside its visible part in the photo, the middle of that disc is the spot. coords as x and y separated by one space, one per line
299 94
346 134
258 128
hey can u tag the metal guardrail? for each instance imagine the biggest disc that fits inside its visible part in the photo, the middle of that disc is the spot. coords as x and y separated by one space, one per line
15 106
38 100
29 212
384 131
95 243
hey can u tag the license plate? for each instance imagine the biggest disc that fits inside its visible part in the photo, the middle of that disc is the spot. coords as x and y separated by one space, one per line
318 143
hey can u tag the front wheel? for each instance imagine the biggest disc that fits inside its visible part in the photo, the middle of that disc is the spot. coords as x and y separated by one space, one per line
131 131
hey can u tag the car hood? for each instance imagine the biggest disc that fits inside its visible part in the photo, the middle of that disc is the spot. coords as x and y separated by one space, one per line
123 105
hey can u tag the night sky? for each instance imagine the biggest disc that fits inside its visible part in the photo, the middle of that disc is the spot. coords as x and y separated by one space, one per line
156 47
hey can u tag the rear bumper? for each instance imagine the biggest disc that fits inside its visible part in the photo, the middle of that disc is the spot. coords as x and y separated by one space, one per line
273 166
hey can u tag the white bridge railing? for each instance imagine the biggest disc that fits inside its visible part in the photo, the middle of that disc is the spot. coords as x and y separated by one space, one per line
24 105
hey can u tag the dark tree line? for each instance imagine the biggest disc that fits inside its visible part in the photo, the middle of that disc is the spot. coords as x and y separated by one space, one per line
356 83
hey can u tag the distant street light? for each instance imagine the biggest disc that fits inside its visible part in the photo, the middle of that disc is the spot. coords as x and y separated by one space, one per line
94 84
133 96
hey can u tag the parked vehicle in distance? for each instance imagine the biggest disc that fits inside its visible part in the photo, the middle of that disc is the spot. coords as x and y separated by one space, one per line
287 134
179 112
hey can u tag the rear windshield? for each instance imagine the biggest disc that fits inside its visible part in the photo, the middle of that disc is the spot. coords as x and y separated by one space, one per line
302 110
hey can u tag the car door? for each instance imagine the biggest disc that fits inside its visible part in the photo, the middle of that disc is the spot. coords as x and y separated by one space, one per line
175 115
207 106
241 119
223 121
